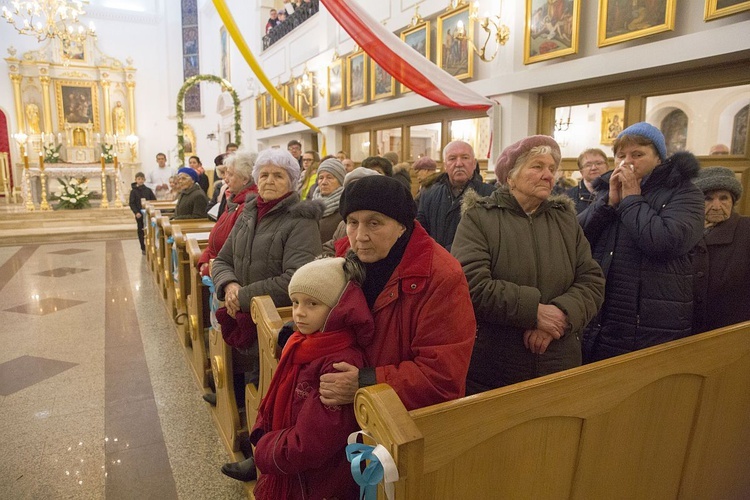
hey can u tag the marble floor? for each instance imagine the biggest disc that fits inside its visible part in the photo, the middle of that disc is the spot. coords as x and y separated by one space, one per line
96 396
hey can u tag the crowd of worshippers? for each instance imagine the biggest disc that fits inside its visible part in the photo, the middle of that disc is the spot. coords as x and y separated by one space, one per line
278 17
471 287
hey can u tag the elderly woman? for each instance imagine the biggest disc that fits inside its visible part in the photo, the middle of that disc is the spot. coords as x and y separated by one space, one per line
239 181
424 323
722 257
533 282
273 236
647 217
192 201
331 175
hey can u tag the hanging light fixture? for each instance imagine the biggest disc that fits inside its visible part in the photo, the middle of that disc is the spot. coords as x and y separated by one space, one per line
45 19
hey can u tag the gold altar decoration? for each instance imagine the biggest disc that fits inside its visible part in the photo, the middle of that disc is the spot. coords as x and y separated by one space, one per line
21 138
43 205
116 178
45 19
105 202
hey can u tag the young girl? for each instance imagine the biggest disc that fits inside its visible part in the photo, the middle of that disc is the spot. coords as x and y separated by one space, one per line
300 442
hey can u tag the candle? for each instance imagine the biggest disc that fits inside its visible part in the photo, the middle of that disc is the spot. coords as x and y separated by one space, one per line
25 160
59 137
102 162
41 161
98 138
115 156
42 137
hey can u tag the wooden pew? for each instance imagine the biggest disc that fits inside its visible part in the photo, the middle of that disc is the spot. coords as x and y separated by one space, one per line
269 321
671 421
151 208
198 318
179 271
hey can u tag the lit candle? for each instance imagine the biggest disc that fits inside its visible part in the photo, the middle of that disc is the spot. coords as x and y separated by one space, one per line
25 160
41 161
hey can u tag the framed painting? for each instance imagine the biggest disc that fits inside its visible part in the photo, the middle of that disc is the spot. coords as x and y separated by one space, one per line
335 85
72 52
551 29
224 44
259 112
624 20
382 84
278 109
454 30
306 98
77 102
356 78
291 97
418 38
612 124
720 8
267 110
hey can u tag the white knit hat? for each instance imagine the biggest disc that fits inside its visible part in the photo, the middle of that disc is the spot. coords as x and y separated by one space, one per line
323 279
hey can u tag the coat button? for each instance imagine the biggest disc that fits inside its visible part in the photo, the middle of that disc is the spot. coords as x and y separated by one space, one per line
390 294
413 286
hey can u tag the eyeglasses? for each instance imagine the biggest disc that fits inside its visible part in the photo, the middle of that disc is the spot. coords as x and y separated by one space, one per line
594 163
308 159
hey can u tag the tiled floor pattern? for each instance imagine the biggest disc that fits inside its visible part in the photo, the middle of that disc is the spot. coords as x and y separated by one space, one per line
96 397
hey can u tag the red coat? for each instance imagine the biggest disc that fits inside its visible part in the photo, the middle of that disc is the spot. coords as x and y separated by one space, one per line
308 459
424 326
222 228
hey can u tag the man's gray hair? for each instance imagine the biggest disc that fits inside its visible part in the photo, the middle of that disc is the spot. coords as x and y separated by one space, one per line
453 143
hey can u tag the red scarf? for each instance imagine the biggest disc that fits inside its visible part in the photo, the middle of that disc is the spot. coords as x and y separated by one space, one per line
276 407
265 206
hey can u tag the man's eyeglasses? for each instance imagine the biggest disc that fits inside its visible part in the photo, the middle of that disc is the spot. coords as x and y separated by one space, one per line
594 163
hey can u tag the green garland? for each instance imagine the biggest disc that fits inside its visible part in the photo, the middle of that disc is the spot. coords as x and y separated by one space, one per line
189 83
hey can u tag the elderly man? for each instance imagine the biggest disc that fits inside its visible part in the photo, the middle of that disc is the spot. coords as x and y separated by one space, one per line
592 163
440 206
721 260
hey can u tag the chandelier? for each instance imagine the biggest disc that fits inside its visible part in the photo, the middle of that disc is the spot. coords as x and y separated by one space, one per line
45 19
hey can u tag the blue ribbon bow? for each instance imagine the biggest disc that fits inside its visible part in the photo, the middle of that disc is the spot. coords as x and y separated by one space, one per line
207 281
367 479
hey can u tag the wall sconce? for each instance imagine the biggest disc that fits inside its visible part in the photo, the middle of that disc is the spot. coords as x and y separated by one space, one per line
492 25
563 125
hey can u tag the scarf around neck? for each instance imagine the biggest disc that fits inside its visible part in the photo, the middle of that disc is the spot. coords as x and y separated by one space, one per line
378 273
265 206
332 200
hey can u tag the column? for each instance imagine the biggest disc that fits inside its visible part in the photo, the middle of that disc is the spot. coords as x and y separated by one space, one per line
131 104
47 105
107 108
20 117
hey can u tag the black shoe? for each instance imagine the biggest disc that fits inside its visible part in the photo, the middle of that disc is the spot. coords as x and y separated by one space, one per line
210 398
241 471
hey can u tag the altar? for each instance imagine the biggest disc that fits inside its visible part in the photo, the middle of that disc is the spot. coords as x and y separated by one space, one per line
91 171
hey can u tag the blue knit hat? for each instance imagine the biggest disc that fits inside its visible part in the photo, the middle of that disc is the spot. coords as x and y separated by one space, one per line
189 171
651 133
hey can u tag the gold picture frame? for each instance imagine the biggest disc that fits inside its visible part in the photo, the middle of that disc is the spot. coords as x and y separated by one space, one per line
259 112
335 85
418 38
267 110
616 26
382 84
74 53
77 102
551 30
613 122
291 97
727 8
356 78
306 104
454 53
278 109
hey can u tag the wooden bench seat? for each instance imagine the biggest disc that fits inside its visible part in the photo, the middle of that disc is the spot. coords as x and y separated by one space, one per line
671 421
180 270
151 207
198 315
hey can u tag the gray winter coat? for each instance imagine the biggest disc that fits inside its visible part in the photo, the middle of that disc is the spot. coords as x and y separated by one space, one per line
262 259
191 204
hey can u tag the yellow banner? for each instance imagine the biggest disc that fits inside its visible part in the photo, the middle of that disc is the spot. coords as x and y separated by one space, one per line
239 40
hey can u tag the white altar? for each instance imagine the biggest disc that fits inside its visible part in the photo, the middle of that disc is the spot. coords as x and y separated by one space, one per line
91 171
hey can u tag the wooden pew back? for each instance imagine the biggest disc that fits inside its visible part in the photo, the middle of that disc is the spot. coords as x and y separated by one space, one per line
670 421
179 268
197 316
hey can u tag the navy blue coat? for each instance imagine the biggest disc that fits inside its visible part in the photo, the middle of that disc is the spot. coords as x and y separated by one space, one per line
440 212
643 248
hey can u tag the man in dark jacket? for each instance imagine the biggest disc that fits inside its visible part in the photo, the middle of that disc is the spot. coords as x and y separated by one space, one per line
591 163
138 191
647 217
440 206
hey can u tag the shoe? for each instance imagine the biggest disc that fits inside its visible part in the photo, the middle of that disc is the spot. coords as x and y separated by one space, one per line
210 398
241 471
143 252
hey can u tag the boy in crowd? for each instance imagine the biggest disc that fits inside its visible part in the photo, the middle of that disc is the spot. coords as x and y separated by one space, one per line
138 191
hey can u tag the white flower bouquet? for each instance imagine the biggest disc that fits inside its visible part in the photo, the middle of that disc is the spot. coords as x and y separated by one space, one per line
73 194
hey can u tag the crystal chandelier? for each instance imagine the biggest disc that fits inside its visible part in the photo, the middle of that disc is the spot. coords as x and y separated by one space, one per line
50 19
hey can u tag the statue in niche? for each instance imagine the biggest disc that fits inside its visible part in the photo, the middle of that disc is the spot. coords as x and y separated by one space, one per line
118 119
32 118
79 137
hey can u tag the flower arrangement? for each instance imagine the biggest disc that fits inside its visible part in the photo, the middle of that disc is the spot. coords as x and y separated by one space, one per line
52 153
107 150
73 194
190 82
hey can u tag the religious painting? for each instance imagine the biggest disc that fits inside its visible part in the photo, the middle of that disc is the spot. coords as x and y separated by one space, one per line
624 20
278 109
306 96
382 84
291 97
612 124
454 53
259 112
224 41
73 52
77 102
188 136
267 110
335 85
720 8
356 78
551 29
674 126
418 38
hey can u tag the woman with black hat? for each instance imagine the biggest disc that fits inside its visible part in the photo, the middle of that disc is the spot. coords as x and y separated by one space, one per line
424 321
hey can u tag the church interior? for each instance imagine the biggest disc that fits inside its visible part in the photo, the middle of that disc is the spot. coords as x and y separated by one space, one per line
104 365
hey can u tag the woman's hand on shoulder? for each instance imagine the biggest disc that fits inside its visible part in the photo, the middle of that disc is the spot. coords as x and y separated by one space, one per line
339 388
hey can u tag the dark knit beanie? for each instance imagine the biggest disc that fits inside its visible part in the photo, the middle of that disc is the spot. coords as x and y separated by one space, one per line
714 178
510 155
651 133
379 194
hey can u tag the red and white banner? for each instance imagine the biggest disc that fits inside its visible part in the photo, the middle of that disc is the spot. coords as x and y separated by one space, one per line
402 62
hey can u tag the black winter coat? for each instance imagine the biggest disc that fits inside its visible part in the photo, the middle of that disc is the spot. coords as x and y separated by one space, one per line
440 212
136 194
643 248
581 196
